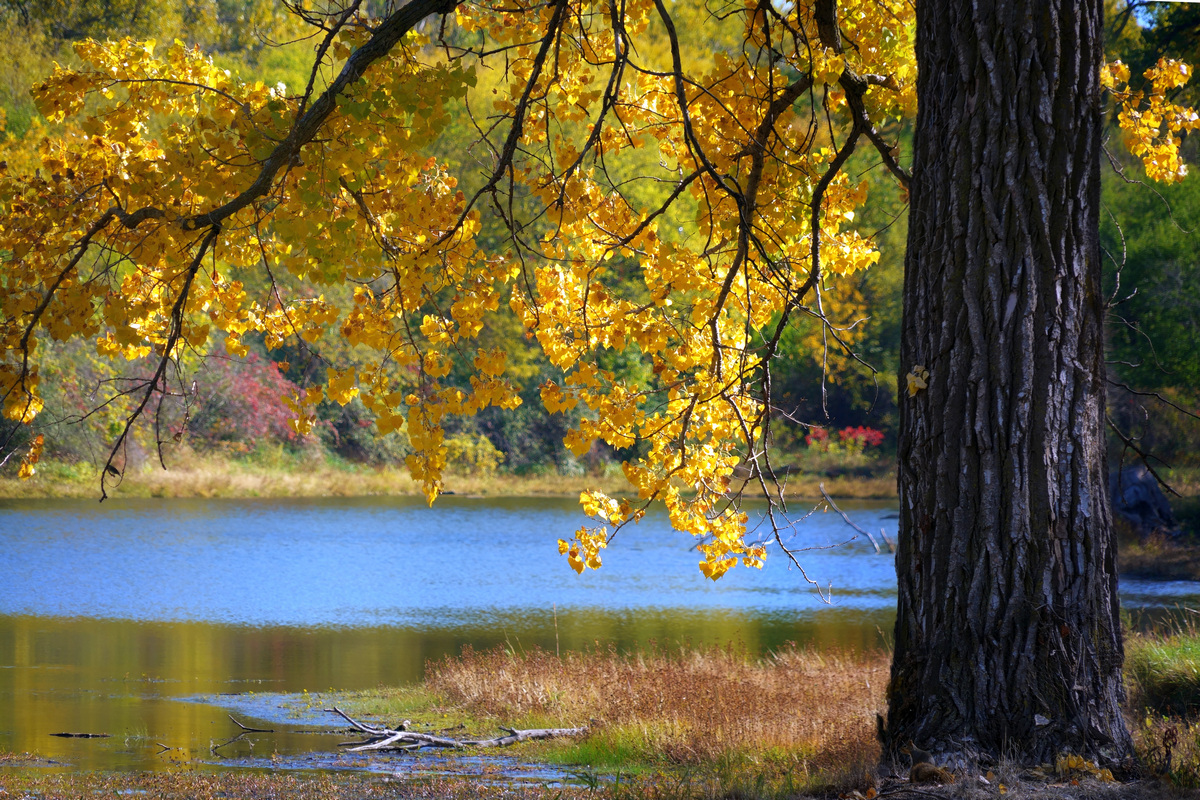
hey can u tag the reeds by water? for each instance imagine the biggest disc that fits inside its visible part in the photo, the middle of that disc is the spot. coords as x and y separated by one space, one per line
797 711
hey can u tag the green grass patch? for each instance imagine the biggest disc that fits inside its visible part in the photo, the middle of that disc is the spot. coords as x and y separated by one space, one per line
426 711
1163 672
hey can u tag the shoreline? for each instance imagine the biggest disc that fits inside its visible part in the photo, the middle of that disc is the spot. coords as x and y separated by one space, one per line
654 740
200 477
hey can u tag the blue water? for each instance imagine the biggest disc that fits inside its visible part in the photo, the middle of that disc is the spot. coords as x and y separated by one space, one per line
369 562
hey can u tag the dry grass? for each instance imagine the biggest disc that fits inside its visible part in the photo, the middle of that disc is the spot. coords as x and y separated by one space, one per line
192 475
798 711
195 475
20 759
1159 558
1169 748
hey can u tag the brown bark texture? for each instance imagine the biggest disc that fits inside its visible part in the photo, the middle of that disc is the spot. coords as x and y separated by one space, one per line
1008 637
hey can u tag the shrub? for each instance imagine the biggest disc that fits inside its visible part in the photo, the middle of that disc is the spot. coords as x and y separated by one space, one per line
239 403
472 455
851 441
348 432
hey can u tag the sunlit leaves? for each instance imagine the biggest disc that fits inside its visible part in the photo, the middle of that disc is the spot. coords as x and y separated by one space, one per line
656 196
1153 124
30 459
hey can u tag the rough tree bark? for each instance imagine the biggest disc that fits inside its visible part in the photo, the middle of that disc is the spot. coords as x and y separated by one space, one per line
1008 641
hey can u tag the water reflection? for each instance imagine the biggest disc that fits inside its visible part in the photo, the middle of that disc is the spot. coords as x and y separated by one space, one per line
127 678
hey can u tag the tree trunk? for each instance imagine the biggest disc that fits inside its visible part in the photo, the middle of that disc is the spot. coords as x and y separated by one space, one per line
1008 637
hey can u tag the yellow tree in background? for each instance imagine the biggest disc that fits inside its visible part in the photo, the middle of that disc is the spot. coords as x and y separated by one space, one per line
688 191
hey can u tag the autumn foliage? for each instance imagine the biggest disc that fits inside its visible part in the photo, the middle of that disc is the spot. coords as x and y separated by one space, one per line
667 182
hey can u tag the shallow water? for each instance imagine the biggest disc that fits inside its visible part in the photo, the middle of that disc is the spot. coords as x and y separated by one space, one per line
115 618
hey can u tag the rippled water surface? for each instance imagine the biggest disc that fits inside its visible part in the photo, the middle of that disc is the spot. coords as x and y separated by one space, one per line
116 618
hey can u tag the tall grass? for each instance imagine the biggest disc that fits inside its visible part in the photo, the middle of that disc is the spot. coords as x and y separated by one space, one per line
792 722
1162 673
1162 668
797 712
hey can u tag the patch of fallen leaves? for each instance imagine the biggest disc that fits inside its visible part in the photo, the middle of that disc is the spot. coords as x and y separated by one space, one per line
190 784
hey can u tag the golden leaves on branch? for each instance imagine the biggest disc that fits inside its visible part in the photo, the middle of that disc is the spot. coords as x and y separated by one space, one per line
32 456
1153 124
664 220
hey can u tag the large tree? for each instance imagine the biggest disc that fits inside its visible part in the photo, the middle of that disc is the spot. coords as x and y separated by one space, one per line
662 182
1008 635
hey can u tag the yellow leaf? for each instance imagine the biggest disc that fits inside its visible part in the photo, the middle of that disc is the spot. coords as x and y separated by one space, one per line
31 458
918 379
235 347
341 385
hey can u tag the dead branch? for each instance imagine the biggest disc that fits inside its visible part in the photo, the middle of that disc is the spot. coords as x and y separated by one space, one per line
846 518
384 738
247 729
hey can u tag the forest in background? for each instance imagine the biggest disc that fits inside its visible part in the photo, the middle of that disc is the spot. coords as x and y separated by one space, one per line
839 408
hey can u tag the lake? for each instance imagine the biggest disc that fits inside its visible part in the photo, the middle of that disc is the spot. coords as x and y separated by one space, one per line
146 619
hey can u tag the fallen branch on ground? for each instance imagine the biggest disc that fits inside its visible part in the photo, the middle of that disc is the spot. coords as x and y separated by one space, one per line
384 738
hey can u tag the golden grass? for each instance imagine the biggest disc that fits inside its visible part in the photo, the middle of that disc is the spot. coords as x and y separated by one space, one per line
800 709
195 475
192 475
1159 558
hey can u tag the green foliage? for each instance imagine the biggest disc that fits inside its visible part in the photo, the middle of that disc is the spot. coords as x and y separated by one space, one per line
84 401
1151 235
1141 33
819 382
347 431
1155 231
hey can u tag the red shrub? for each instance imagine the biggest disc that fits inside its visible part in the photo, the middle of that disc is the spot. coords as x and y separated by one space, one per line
241 400
862 436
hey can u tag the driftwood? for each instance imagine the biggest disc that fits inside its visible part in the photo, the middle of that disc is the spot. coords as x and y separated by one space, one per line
384 738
